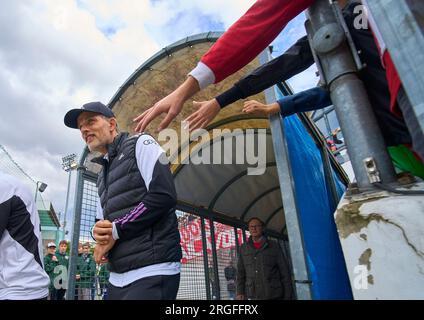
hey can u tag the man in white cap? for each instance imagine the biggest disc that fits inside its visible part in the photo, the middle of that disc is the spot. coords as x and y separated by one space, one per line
51 262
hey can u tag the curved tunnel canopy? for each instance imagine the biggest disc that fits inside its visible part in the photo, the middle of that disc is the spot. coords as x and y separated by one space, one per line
233 192
223 191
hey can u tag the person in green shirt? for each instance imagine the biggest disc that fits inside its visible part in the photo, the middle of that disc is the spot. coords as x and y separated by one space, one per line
63 260
86 272
50 262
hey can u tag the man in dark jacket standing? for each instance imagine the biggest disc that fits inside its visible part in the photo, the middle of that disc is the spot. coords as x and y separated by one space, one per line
262 271
137 228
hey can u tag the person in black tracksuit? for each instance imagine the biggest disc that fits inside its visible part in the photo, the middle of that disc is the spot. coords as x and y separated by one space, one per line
137 230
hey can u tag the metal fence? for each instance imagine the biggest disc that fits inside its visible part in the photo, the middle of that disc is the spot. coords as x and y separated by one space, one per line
198 256
87 280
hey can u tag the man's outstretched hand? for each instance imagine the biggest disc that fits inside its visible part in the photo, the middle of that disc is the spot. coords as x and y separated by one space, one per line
260 109
205 113
171 105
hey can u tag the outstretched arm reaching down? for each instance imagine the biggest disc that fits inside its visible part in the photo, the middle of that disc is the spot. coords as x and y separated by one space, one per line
239 45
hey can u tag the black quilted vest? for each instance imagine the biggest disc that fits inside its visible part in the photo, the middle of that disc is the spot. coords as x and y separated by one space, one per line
121 188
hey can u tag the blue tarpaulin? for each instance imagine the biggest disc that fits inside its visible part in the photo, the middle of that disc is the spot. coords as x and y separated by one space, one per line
325 259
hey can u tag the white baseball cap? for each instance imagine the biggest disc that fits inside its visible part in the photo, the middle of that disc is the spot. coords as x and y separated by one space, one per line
51 244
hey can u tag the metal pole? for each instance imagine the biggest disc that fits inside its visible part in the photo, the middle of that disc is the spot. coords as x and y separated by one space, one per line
327 123
236 240
205 259
73 261
69 164
215 261
57 231
36 190
401 26
66 203
294 230
334 56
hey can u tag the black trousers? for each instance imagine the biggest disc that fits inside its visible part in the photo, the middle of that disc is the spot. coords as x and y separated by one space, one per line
60 294
150 288
57 294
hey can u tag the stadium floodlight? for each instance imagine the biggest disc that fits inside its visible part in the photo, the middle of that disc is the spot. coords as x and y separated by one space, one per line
68 164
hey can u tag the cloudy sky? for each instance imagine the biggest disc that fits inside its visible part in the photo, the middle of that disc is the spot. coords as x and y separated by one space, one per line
58 54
